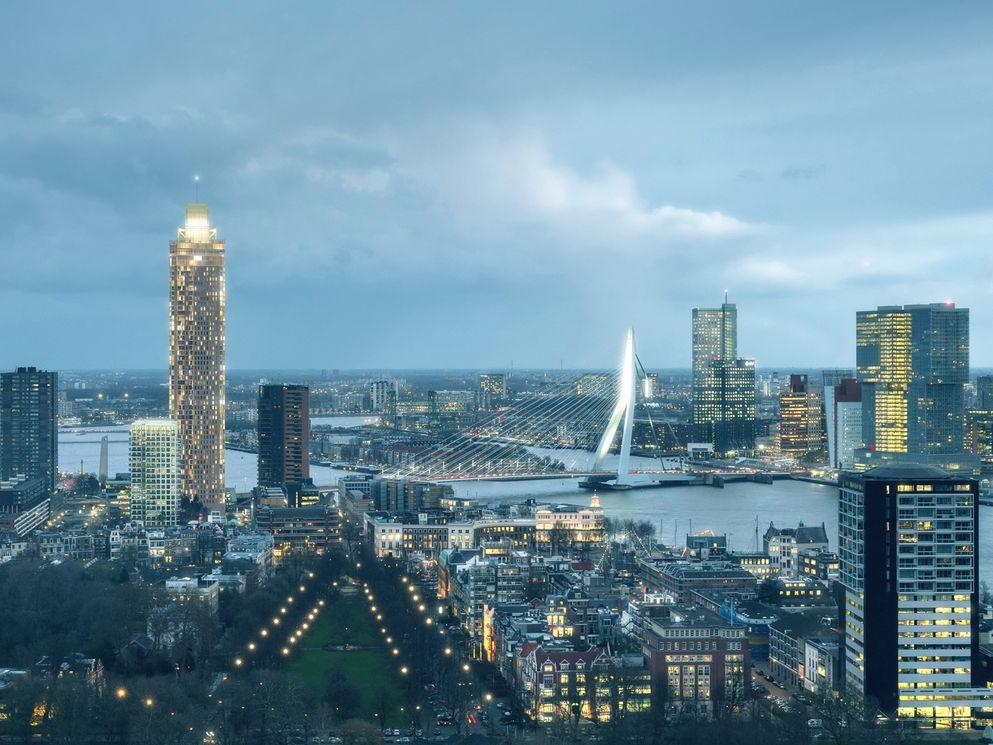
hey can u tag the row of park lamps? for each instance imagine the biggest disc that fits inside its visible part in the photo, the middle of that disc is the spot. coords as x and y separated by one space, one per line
418 601
277 621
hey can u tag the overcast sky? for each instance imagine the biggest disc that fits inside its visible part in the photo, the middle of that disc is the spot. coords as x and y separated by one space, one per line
466 184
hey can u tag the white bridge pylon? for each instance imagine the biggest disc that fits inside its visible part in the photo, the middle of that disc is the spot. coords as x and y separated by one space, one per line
623 409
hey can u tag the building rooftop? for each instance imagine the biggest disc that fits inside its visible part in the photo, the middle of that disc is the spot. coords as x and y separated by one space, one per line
907 471
807 624
680 616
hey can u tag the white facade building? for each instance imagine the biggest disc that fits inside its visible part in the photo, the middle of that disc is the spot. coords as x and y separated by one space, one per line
154 465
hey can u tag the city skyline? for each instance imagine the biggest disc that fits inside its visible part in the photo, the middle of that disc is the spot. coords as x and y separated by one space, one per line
812 167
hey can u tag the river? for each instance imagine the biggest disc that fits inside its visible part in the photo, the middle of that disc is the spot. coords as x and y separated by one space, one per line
674 511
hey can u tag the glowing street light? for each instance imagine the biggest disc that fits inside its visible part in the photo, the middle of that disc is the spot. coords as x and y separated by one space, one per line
121 693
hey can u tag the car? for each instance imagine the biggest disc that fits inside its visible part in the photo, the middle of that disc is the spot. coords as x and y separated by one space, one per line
501 705
815 723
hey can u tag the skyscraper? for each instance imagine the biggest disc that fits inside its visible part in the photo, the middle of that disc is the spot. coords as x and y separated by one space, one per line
913 363
196 355
651 387
800 432
383 397
28 427
843 419
154 466
723 384
910 570
984 392
492 387
284 435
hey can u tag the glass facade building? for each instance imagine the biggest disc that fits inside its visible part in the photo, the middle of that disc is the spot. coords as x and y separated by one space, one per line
913 363
154 466
723 385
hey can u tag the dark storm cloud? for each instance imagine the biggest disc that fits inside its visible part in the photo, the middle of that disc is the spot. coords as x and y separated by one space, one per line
465 184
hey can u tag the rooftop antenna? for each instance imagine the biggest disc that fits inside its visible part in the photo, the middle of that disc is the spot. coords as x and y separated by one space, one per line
725 297
196 189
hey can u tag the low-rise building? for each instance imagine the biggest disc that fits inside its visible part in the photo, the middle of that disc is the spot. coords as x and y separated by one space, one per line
569 528
559 684
788 636
678 579
783 545
190 590
299 529
822 666
426 532
757 563
819 564
478 585
698 659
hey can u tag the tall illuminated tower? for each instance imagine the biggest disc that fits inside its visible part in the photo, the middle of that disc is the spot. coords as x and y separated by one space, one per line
723 384
196 355
913 363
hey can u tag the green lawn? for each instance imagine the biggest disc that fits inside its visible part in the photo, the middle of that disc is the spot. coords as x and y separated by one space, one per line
347 621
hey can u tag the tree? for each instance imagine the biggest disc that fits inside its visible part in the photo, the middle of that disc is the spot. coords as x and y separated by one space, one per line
356 732
767 592
342 696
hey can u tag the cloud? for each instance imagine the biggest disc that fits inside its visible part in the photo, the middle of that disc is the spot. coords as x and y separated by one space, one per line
487 176
915 253
362 180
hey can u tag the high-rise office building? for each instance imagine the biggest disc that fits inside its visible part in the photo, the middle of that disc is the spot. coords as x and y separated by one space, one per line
913 363
984 392
910 571
730 389
651 386
723 385
383 395
284 435
492 388
843 422
196 355
832 377
800 431
29 439
154 466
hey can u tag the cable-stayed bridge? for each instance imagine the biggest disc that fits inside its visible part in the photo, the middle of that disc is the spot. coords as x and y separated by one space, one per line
580 428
